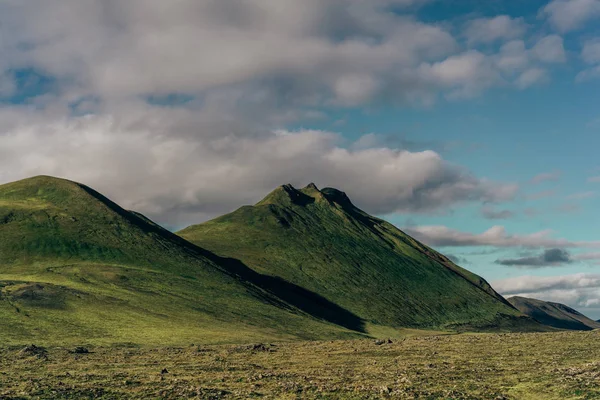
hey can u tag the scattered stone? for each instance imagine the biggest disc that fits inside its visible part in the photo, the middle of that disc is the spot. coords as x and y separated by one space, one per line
34 351
379 342
260 347
81 350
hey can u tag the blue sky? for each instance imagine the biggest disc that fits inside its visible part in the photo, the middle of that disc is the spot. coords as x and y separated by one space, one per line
450 119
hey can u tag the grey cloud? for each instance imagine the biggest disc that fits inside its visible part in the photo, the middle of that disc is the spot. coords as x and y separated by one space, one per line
490 213
496 236
550 257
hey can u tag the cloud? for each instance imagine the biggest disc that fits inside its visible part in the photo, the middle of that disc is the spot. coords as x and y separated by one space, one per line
180 110
594 179
549 258
490 213
335 52
587 256
582 195
540 195
591 55
580 291
458 260
496 236
567 15
588 74
486 30
531 77
187 178
550 49
591 51
341 51
546 177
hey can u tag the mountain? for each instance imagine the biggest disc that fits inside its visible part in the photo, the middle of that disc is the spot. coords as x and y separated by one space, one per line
554 314
318 240
77 268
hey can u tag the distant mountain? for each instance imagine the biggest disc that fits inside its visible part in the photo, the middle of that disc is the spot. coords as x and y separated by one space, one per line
77 268
318 240
554 314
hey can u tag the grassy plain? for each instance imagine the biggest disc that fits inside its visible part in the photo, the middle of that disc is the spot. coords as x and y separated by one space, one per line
563 365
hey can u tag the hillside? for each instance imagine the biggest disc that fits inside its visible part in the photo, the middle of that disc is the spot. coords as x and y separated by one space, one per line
77 268
319 240
554 314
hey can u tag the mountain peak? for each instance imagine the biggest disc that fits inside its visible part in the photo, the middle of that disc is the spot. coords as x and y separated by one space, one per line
337 196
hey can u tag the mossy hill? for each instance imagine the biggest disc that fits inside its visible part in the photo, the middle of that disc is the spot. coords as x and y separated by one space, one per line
554 314
77 268
318 240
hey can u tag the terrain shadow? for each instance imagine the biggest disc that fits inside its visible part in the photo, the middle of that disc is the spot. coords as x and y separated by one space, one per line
290 294
297 296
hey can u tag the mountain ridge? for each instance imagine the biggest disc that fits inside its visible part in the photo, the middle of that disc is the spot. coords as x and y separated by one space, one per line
554 314
76 266
319 240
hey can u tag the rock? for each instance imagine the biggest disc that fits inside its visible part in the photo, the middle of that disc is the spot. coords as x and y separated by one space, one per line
33 350
81 350
379 342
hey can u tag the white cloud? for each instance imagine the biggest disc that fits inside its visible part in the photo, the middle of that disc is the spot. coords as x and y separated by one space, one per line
588 74
496 237
580 291
591 51
513 56
567 15
531 77
250 68
333 50
186 178
581 195
486 30
550 49
546 177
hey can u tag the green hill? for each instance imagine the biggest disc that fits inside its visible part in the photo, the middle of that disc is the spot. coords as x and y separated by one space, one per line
77 268
554 314
318 240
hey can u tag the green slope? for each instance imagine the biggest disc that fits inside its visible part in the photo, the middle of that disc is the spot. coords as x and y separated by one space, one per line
77 268
320 241
554 314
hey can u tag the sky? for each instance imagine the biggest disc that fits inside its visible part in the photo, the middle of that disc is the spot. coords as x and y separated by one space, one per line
473 126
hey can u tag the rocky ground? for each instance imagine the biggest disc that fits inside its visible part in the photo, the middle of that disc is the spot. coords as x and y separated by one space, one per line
485 366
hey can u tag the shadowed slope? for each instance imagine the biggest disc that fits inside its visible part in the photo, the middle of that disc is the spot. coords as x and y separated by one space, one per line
320 241
554 314
74 266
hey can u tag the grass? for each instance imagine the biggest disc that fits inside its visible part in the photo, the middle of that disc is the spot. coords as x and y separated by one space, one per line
75 267
319 241
546 366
